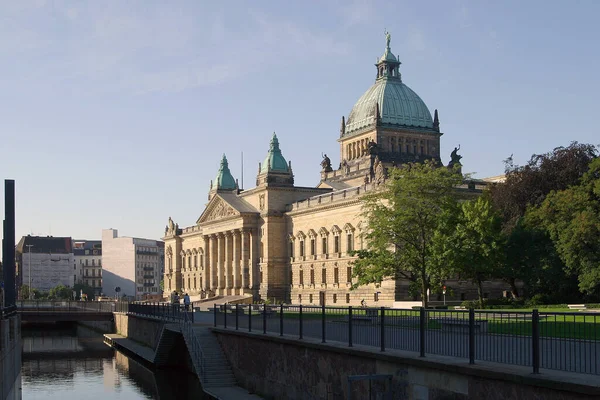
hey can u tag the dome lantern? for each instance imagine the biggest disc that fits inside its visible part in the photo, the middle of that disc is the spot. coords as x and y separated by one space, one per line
389 102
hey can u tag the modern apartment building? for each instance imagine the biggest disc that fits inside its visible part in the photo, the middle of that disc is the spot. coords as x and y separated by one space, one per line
88 263
133 265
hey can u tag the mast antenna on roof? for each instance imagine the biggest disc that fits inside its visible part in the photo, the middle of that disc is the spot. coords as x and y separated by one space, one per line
242 188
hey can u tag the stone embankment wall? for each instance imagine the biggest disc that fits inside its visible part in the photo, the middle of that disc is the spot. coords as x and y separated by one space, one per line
282 368
142 330
10 358
99 326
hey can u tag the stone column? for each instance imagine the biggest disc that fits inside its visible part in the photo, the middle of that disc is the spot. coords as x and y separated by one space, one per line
227 265
206 272
236 261
253 258
213 264
221 263
245 256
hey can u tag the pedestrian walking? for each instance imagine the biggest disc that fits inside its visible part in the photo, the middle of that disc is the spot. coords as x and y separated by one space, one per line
186 302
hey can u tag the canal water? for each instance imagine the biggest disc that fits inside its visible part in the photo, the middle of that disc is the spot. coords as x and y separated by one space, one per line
65 362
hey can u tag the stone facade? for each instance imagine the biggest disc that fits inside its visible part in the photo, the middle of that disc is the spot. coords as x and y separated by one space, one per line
289 243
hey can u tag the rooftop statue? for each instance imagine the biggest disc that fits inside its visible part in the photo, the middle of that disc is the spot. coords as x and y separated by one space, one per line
326 164
388 39
454 156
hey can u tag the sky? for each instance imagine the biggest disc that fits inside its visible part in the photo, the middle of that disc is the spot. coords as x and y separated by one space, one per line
115 114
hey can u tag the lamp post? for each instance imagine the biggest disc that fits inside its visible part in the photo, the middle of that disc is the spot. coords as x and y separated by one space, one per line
29 246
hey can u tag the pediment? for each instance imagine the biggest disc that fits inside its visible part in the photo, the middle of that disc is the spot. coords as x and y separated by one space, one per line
217 209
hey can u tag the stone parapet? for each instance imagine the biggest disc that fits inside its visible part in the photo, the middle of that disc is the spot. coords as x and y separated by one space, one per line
286 368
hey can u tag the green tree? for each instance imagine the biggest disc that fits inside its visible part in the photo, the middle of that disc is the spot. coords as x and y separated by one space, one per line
162 285
474 249
403 219
24 292
572 219
61 292
527 186
87 290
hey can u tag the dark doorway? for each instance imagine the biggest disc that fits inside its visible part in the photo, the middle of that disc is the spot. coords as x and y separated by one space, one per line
321 298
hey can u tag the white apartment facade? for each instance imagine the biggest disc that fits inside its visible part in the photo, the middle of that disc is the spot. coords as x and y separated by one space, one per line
48 260
133 265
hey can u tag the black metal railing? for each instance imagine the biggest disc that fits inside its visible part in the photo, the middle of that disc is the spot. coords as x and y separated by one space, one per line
165 311
568 341
9 311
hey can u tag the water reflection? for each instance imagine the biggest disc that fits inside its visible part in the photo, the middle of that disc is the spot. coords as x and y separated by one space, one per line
72 362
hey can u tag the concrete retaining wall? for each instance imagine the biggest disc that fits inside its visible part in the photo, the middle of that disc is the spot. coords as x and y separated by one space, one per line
142 330
10 358
285 368
99 326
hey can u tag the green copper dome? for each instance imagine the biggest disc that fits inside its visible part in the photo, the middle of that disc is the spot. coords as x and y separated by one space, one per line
398 104
274 161
224 179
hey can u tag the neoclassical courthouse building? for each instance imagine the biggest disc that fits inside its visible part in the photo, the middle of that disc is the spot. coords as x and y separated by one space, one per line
291 243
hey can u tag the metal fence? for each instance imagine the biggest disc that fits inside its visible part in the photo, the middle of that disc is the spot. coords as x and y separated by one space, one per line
559 341
165 311
8 311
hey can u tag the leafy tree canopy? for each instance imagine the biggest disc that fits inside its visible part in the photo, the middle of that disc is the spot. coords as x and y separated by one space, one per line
572 219
474 248
403 220
528 185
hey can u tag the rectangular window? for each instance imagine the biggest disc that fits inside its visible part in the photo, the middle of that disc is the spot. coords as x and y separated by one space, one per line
312 276
323 275
93 272
301 277
87 272
310 298
300 299
93 262
99 262
462 296
312 247
349 246
86 262
302 248
324 245
195 261
336 244
335 298
336 275
349 274
292 249
347 298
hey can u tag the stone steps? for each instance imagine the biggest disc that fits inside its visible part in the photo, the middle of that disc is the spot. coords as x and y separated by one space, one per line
218 372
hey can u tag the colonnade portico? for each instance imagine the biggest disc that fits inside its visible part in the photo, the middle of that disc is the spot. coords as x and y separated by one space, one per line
229 268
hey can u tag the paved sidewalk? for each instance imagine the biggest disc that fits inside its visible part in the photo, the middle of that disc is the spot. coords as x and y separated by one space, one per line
138 349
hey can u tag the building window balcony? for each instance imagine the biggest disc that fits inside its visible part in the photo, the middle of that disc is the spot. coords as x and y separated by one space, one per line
148 276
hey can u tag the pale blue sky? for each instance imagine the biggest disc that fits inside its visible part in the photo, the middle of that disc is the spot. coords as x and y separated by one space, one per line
116 113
